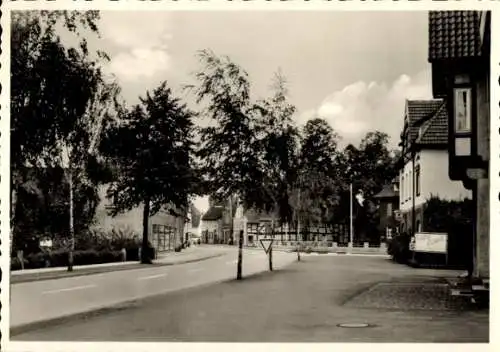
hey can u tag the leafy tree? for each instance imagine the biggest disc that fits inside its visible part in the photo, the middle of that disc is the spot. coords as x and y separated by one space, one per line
369 168
317 178
58 98
371 165
278 138
153 148
227 150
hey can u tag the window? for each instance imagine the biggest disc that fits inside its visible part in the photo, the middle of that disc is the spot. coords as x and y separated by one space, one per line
389 209
462 110
410 186
403 188
417 179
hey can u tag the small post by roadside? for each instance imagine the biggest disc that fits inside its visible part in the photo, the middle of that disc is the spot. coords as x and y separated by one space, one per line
271 258
240 256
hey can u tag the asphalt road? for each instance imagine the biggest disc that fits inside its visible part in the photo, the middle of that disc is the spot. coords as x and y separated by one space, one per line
302 302
39 301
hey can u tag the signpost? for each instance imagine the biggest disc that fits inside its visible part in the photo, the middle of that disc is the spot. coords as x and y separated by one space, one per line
267 244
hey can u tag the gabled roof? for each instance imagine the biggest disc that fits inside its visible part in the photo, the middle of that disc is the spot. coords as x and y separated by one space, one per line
214 213
387 192
435 130
417 112
454 34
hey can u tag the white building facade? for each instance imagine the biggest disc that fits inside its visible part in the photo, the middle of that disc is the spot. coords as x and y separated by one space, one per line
424 168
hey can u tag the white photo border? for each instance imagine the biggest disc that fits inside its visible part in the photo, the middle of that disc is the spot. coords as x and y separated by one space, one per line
238 5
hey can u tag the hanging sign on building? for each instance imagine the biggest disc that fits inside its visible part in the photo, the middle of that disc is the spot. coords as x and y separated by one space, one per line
428 242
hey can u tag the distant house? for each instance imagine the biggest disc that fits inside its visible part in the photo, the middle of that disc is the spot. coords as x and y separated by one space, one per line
211 225
424 161
388 206
166 228
257 224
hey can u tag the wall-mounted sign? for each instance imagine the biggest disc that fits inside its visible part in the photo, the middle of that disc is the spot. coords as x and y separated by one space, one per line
431 242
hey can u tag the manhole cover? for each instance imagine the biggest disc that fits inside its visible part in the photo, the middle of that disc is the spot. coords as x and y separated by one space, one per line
354 325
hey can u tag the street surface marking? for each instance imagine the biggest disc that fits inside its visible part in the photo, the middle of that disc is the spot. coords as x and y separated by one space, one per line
68 289
151 277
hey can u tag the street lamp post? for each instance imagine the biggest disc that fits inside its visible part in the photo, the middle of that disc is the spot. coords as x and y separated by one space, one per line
351 239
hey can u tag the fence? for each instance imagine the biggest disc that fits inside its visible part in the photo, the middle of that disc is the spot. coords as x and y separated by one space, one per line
326 246
338 233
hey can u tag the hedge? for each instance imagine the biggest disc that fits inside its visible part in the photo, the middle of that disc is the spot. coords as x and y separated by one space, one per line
399 248
60 259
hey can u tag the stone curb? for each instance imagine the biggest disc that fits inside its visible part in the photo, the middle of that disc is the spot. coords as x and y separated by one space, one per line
41 276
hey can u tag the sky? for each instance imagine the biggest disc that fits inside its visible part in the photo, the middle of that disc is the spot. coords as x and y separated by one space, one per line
354 69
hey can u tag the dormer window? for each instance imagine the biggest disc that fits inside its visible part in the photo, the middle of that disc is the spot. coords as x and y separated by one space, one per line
421 130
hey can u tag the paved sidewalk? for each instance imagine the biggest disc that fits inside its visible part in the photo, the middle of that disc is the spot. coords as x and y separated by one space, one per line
188 255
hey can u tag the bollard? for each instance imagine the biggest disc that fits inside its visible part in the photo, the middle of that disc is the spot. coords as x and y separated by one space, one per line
240 256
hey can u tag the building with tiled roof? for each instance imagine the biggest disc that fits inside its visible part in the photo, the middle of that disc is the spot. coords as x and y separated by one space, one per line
388 206
424 161
211 224
460 55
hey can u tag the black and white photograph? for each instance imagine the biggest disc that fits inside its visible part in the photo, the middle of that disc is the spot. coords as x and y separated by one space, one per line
248 176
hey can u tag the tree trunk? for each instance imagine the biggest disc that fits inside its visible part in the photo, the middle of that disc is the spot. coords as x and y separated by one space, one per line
145 255
240 256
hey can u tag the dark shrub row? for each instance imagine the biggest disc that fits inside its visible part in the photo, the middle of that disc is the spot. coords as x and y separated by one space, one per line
60 258
399 248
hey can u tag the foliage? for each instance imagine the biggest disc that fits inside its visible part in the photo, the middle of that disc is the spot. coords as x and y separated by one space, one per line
60 104
230 164
399 248
442 215
317 184
369 168
153 149
55 89
114 240
278 142
42 211
60 258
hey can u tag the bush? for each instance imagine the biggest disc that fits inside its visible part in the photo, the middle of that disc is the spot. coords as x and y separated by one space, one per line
15 263
60 258
399 248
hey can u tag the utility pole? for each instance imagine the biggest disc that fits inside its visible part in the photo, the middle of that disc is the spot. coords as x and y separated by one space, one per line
231 219
71 215
298 219
350 216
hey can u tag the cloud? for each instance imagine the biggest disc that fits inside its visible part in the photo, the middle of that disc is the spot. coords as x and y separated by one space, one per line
362 107
142 41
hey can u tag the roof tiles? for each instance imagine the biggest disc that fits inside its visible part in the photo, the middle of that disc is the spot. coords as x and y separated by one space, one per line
454 34
427 122
435 131
419 111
